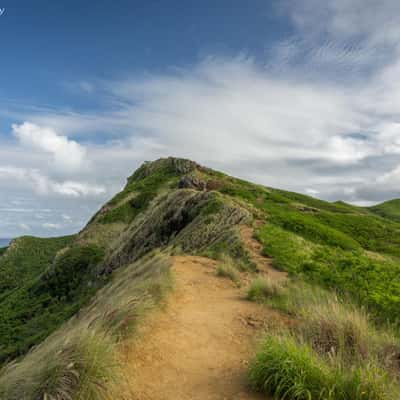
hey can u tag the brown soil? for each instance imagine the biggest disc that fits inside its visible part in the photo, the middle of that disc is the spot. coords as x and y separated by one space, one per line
198 347
264 264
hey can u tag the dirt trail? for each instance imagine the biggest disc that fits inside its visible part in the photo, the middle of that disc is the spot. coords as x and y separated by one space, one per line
264 264
198 347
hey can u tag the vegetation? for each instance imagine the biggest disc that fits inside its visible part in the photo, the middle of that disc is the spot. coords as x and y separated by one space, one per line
26 259
333 351
227 269
262 289
371 281
389 209
31 312
79 360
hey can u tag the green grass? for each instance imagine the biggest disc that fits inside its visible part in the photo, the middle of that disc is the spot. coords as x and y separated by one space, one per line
262 289
31 312
289 368
389 209
79 360
333 350
26 259
371 282
351 250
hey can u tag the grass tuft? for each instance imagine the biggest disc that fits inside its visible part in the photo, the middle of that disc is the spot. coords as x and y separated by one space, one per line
288 367
262 289
227 269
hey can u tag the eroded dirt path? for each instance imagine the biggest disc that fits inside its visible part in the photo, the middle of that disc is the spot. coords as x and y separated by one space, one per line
255 249
199 346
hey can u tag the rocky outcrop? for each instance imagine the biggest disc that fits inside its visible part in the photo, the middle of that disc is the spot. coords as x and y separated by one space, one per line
179 166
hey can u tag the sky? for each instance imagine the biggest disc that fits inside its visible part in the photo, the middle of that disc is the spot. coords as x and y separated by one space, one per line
301 95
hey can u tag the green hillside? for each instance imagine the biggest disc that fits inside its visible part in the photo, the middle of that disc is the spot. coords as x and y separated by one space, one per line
389 209
177 205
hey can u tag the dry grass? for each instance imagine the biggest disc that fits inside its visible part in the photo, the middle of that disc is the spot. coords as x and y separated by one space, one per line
227 269
78 362
333 351
262 289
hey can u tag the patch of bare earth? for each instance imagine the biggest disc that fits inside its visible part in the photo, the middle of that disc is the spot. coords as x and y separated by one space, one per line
198 346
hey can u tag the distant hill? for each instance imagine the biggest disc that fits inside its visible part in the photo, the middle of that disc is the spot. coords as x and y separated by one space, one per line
389 209
174 206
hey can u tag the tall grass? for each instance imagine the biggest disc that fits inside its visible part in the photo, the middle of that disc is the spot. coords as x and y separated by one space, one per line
78 362
333 350
289 368
262 289
228 269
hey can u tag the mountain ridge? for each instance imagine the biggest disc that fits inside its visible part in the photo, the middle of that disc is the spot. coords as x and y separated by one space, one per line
176 206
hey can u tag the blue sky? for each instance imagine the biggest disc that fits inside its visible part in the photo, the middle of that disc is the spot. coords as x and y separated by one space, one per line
302 95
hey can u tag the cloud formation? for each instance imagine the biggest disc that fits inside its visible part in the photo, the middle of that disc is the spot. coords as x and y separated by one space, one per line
43 185
67 154
320 115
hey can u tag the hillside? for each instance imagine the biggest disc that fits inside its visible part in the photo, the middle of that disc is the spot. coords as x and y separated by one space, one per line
389 209
90 292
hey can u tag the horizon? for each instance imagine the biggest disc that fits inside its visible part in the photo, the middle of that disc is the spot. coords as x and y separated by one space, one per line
296 95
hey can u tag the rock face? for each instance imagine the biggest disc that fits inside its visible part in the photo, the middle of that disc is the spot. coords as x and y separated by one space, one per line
191 219
191 182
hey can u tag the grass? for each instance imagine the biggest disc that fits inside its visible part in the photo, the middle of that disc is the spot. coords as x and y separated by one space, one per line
27 258
389 209
333 350
353 251
370 281
30 313
78 361
262 289
227 269
289 368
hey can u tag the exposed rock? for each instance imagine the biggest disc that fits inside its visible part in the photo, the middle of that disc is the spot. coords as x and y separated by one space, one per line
180 166
191 182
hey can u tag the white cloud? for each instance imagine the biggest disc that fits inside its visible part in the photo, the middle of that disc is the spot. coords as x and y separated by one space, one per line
49 225
43 185
321 115
234 114
25 227
371 20
77 189
67 154
66 217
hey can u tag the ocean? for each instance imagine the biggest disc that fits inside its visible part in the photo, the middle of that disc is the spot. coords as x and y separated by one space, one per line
4 242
